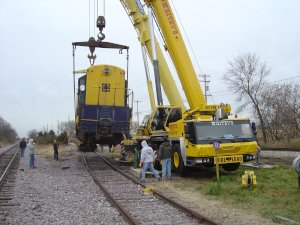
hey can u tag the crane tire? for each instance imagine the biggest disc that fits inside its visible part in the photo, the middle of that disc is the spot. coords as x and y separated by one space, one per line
177 161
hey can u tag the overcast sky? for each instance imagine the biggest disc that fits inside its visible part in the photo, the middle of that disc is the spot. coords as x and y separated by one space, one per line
36 88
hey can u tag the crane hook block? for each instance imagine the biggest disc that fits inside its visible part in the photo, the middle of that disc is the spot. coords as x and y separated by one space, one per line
91 47
100 22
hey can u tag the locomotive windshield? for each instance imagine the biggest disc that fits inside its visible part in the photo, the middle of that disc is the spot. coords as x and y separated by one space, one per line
224 131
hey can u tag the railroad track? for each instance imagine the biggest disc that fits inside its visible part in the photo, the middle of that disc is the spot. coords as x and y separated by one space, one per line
128 195
9 161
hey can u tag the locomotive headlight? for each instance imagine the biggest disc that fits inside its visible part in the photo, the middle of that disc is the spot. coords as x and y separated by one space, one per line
106 71
82 87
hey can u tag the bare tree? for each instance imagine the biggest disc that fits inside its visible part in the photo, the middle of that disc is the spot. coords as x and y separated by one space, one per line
282 117
68 127
246 77
33 134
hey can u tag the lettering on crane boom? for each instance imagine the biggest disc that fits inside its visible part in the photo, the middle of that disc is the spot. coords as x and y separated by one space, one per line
222 123
140 6
171 19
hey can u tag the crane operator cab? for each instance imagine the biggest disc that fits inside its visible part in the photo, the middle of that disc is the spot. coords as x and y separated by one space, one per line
161 116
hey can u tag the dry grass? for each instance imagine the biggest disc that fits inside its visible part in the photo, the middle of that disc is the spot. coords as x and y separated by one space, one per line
294 143
48 152
3 143
276 193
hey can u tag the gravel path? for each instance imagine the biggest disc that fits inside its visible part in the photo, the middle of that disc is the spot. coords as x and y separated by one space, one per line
59 192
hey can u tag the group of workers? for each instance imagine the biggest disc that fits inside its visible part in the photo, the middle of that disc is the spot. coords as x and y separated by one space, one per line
147 160
23 145
148 157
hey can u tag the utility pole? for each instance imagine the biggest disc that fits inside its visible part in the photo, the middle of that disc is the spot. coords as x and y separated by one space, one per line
137 110
57 127
206 87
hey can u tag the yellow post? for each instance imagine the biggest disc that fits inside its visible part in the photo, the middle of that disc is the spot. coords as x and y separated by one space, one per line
217 168
216 145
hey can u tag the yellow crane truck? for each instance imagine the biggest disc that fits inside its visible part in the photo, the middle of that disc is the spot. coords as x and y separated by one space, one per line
192 132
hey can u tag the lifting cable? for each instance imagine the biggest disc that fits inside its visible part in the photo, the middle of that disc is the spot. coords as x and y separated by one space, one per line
186 36
89 18
103 8
94 16
95 9
74 76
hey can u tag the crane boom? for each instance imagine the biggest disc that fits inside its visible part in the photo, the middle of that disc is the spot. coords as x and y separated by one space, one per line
139 20
178 52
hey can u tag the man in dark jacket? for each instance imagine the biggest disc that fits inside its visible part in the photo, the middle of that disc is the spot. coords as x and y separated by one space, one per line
165 153
22 146
55 147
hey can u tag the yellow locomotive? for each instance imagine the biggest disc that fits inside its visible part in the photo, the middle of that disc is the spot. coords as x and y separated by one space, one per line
103 113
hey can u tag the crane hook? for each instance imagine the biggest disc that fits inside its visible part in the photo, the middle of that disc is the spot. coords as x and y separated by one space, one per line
100 24
100 38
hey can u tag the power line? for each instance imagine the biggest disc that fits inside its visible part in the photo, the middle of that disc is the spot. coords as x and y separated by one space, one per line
290 78
196 59
283 55
285 79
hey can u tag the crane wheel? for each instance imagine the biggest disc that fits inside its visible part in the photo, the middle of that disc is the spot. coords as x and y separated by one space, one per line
177 161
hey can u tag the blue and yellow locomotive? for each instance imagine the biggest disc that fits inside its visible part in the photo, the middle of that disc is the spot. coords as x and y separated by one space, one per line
103 113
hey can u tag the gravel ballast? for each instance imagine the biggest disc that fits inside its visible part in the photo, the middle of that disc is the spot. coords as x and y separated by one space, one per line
59 192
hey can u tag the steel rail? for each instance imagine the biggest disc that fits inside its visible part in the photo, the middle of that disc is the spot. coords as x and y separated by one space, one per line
184 209
9 166
131 220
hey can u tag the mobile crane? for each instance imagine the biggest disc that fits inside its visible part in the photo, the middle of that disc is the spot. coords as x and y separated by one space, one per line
193 132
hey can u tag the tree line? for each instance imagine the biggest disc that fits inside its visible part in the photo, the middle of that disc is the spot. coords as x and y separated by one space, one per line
7 133
275 106
65 130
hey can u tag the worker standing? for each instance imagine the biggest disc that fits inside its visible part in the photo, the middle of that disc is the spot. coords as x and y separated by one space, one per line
22 146
31 153
55 148
165 152
147 160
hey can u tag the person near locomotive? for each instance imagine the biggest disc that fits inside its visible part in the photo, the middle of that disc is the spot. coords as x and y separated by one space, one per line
55 148
22 146
31 153
123 152
165 153
147 160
